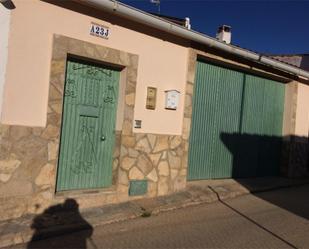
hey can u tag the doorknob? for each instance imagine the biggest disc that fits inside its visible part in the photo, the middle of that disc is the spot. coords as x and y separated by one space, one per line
103 138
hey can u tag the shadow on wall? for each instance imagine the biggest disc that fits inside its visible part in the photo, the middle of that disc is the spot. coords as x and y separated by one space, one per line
290 155
261 152
57 220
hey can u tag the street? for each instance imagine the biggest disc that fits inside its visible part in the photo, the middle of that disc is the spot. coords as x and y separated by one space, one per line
274 219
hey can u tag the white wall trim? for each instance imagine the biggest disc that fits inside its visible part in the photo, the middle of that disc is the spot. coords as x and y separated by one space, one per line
5 15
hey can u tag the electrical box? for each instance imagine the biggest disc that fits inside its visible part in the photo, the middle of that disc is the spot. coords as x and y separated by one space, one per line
171 99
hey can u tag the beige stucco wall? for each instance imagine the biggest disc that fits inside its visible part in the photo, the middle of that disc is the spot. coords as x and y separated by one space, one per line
302 111
162 64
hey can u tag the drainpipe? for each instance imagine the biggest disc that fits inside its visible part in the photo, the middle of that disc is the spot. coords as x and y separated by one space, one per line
137 15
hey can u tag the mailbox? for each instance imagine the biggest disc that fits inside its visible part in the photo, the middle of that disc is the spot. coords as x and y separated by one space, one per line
171 99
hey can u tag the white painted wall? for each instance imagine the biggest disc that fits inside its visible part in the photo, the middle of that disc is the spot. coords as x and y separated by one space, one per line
4 41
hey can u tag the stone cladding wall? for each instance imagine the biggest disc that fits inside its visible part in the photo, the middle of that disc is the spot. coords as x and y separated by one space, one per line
29 155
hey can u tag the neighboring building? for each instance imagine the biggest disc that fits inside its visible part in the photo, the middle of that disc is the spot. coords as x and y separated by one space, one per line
104 104
298 60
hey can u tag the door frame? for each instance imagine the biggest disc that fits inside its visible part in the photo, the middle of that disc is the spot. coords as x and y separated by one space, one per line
64 48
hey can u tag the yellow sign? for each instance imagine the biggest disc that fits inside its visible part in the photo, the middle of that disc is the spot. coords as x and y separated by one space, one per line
151 98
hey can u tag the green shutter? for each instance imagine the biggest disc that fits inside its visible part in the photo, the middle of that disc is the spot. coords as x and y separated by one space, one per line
88 123
236 124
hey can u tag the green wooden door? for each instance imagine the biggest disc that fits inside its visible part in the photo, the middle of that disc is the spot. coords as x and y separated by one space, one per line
236 124
88 124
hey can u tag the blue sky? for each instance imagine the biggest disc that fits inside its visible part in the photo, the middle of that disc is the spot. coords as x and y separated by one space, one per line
263 26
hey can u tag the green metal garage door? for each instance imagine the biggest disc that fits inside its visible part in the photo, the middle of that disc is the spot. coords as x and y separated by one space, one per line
236 124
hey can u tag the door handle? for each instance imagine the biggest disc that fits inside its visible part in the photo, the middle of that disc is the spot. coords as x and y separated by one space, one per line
103 138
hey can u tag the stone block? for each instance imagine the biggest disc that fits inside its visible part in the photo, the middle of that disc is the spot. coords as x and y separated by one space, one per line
174 161
54 93
180 183
133 153
18 132
189 88
152 140
5 177
37 131
161 145
155 158
163 187
152 189
153 176
46 175
127 163
127 128
123 151
53 150
143 145
115 164
144 164
175 142
56 107
130 99
123 177
10 165
16 187
174 173
4 130
28 147
50 132
136 174
188 100
128 141
163 168
186 128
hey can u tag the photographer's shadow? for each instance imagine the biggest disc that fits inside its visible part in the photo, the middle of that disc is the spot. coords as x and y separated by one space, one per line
59 220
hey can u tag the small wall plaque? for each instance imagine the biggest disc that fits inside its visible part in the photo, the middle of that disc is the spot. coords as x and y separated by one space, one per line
151 98
99 30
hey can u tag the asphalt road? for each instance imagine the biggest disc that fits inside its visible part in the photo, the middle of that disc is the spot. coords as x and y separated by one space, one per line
275 219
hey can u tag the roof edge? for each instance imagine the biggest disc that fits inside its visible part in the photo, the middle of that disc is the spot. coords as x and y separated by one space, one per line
147 19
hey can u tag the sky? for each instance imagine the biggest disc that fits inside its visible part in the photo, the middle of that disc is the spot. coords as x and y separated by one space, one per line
272 27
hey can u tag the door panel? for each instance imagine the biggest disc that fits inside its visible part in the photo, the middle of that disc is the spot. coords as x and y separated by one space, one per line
88 123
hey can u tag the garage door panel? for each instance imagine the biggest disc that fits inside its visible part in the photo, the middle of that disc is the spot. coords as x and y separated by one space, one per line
219 87
236 124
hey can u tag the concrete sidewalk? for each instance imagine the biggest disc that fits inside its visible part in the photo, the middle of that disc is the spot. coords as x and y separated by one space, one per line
19 230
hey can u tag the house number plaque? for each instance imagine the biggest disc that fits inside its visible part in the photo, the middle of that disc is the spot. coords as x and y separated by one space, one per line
151 98
99 30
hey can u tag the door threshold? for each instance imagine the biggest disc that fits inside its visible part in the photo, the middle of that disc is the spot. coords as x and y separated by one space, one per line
83 192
